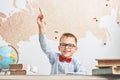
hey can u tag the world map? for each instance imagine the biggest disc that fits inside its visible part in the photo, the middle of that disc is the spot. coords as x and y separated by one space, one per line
18 18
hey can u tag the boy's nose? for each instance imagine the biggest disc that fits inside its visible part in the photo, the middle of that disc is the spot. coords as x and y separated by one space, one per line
67 46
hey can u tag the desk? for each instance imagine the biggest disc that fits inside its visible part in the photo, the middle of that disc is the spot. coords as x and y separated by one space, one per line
57 77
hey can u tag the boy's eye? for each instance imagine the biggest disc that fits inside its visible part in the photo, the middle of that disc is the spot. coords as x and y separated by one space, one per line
71 45
67 45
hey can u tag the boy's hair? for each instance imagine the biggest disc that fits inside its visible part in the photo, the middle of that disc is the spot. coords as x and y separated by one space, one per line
69 35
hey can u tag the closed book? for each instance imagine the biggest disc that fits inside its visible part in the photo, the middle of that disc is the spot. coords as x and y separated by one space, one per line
113 70
15 66
108 62
18 72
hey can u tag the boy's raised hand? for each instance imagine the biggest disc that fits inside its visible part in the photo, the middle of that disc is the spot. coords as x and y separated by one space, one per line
40 22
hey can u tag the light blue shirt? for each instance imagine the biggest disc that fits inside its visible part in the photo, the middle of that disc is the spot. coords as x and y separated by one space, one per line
57 67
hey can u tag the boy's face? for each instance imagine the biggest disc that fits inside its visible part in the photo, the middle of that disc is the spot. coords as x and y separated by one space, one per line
67 46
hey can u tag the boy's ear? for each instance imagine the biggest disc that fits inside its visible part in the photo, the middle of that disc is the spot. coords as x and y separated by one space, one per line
76 48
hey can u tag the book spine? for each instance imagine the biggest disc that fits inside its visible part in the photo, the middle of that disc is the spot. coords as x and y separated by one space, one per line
108 62
18 72
15 66
19 67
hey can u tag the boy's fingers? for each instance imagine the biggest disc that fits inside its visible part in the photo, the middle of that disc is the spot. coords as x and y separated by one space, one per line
41 15
40 18
40 11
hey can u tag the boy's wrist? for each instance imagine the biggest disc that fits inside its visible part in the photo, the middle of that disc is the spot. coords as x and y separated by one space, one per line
41 31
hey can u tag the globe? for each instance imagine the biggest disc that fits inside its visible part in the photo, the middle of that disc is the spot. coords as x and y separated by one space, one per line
8 55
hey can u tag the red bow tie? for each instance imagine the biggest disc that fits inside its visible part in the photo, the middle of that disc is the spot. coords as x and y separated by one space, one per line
61 59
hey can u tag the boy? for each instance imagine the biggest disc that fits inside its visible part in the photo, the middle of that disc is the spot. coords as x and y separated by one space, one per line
63 63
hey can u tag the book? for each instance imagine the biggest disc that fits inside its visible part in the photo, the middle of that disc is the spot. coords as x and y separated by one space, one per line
108 62
15 66
113 70
18 72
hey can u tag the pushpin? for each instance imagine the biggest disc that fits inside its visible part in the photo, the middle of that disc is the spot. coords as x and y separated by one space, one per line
104 43
55 37
106 5
56 31
117 22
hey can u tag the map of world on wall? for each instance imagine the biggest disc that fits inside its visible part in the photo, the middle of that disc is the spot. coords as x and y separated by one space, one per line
19 17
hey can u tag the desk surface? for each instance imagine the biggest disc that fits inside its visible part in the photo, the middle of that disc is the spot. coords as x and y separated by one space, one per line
57 77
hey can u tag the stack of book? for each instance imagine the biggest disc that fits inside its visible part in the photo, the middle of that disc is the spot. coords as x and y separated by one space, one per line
107 67
17 69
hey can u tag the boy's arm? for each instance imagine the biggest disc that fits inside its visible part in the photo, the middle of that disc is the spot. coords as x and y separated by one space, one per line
43 40
80 69
47 50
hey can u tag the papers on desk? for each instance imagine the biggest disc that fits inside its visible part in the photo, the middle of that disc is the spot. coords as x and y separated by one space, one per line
76 73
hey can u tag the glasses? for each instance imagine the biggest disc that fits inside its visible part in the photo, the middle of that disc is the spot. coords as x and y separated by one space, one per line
70 46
